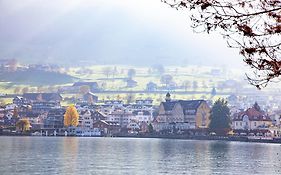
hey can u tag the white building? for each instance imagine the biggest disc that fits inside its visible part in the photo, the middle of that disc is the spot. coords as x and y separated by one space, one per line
85 119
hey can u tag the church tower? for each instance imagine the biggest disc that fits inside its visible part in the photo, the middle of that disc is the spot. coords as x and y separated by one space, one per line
168 97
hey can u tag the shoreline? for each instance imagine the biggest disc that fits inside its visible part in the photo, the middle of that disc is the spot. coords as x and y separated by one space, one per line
180 137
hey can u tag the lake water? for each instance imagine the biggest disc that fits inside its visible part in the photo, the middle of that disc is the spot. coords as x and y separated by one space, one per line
73 155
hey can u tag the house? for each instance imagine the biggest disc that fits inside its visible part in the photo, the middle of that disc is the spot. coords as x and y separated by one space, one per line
151 86
144 127
142 116
45 106
85 119
131 83
96 116
55 119
133 126
144 102
182 114
92 85
107 127
7 118
45 97
19 101
251 119
36 119
86 132
9 107
121 117
114 103
90 98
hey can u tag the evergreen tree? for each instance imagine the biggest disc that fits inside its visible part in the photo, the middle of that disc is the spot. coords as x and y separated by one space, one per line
220 117
150 128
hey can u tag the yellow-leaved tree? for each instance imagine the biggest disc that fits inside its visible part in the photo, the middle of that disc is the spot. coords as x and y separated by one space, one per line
71 116
23 125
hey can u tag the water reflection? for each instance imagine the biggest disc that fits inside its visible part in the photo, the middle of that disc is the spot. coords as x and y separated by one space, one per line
47 155
69 155
219 157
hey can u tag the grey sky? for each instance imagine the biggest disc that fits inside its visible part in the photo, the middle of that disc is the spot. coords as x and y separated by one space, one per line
139 32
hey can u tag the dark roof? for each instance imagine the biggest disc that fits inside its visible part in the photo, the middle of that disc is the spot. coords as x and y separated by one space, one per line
190 104
59 111
84 112
186 104
29 114
19 97
98 113
45 96
169 105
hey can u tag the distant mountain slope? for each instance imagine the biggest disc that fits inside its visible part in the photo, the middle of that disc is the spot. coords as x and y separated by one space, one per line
36 77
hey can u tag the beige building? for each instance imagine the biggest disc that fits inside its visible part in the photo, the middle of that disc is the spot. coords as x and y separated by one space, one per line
182 114
251 119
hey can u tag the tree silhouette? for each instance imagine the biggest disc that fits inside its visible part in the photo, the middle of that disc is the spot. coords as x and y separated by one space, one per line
194 85
166 79
150 128
214 92
107 71
252 26
131 73
25 90
220 117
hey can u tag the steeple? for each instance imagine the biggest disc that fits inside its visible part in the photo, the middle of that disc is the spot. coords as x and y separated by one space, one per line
168 97
257 107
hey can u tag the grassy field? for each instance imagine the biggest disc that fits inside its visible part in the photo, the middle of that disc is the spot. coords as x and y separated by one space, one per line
113 78
114 81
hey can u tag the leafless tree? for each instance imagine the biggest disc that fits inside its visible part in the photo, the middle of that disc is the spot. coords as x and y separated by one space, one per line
166 79
252 26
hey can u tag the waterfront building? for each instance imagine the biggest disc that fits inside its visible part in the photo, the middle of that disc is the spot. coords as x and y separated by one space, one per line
55 119
35 119
252 119
107 127
97 115
121 117
142 116
85 119
182 114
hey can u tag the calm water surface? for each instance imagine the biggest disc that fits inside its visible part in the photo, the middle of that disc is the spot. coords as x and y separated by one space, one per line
51 155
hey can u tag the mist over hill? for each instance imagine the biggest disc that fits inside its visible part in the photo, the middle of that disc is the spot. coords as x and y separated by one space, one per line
97 32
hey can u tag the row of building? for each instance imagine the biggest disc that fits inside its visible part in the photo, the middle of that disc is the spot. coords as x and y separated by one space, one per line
45 113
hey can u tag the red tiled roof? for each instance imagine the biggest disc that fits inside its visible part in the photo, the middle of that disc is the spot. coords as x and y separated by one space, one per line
253 114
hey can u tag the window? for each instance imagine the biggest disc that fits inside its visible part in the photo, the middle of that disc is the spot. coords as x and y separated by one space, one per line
240 123
255 124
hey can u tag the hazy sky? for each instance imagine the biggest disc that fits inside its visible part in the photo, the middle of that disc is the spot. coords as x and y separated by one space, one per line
139 32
